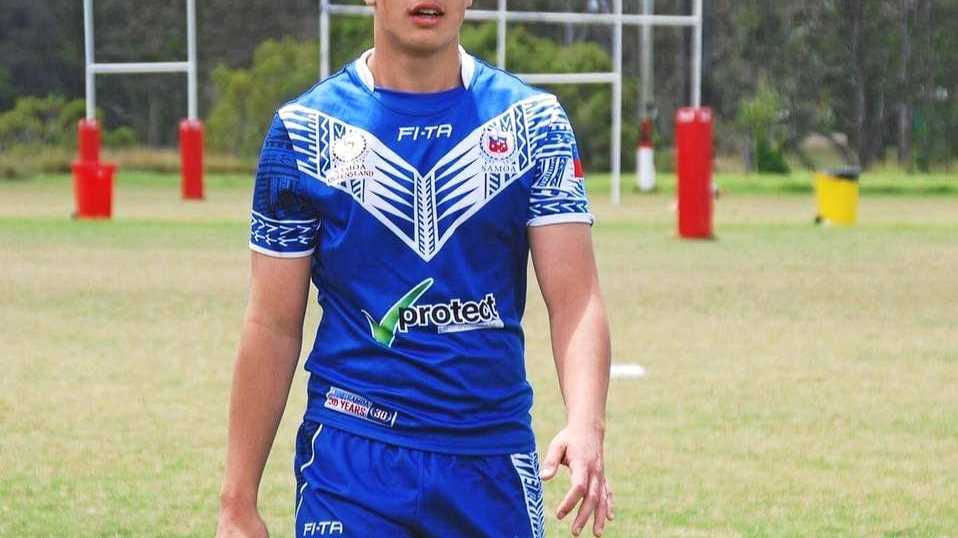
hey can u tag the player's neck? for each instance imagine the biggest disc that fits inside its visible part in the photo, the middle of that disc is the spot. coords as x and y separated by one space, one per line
395 69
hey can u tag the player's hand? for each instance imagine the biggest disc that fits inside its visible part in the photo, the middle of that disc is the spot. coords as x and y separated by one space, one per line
580 449
240 524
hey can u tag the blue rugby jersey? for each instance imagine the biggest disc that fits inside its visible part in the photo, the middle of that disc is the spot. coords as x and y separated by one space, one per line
414 208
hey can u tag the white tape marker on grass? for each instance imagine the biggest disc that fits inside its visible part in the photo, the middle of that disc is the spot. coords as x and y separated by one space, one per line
627 370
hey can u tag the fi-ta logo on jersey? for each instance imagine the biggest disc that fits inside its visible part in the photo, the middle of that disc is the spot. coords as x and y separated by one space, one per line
428 132
457 315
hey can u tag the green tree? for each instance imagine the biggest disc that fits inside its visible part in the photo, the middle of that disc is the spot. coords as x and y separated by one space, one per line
248 97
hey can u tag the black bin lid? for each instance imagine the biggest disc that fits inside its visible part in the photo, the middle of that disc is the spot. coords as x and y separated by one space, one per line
850 173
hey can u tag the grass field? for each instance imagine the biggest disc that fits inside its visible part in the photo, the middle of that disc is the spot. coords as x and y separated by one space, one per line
802 381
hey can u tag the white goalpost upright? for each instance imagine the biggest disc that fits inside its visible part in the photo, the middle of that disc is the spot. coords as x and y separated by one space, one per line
645 150
93 68
616 20
190 129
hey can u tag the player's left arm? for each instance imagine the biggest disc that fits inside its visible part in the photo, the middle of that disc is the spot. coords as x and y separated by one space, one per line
565 267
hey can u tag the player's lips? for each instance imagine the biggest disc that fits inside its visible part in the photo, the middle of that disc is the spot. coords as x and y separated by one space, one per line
426 14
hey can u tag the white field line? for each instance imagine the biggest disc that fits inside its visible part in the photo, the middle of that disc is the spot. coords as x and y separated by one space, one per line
627 370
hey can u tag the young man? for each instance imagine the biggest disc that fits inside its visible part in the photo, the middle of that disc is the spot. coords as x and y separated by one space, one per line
411 186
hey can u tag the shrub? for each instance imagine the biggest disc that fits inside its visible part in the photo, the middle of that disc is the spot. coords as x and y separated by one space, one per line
121 137
47 120
760 116
20 162
769 160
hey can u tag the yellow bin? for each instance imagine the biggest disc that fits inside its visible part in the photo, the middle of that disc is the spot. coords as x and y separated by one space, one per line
837 195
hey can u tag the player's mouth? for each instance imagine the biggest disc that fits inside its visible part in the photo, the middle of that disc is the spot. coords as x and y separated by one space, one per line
426 14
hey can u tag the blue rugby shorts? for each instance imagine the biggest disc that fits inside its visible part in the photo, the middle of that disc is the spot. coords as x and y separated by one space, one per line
352 486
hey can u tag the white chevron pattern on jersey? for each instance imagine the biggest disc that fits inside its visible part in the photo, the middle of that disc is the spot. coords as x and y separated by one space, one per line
527 467
423 210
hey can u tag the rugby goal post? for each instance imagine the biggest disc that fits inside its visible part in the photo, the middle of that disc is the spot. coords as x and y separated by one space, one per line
616 20
190 129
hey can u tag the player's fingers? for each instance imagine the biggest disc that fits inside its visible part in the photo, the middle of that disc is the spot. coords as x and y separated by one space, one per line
578 489
553 456
586 509
601 509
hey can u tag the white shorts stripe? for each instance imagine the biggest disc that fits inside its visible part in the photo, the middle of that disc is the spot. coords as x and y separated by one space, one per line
302 469
527 467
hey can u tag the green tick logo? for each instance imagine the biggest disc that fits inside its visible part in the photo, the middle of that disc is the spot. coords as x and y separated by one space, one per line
384 331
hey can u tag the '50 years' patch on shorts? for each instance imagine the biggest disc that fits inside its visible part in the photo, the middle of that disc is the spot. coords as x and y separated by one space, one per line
349 485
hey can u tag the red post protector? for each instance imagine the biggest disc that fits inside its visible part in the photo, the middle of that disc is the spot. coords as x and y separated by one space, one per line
88 140
693 140
93 189
645 136
191 159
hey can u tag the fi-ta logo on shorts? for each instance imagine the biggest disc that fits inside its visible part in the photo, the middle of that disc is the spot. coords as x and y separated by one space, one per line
322 528
457 315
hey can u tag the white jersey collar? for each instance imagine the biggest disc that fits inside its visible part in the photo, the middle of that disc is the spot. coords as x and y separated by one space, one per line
467 67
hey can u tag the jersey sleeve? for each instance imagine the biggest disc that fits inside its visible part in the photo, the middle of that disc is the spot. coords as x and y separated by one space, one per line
283 222
557 193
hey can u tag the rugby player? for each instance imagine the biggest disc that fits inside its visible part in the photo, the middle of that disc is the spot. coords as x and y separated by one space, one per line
411 188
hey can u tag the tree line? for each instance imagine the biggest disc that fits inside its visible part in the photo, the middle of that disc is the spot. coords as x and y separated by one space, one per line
876 79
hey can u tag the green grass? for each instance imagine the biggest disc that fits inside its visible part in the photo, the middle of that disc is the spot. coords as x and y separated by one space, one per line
880 182
801 380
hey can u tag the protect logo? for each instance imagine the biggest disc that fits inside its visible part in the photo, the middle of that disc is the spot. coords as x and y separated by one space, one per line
453 317
457 315
384 331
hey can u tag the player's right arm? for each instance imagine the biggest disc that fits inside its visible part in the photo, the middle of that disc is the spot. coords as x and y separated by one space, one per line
283 235
268 353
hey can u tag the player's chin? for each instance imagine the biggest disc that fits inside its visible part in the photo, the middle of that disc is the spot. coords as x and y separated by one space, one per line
426 43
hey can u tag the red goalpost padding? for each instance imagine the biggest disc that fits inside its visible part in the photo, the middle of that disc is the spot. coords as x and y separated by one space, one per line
92 179
693 143
191 159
